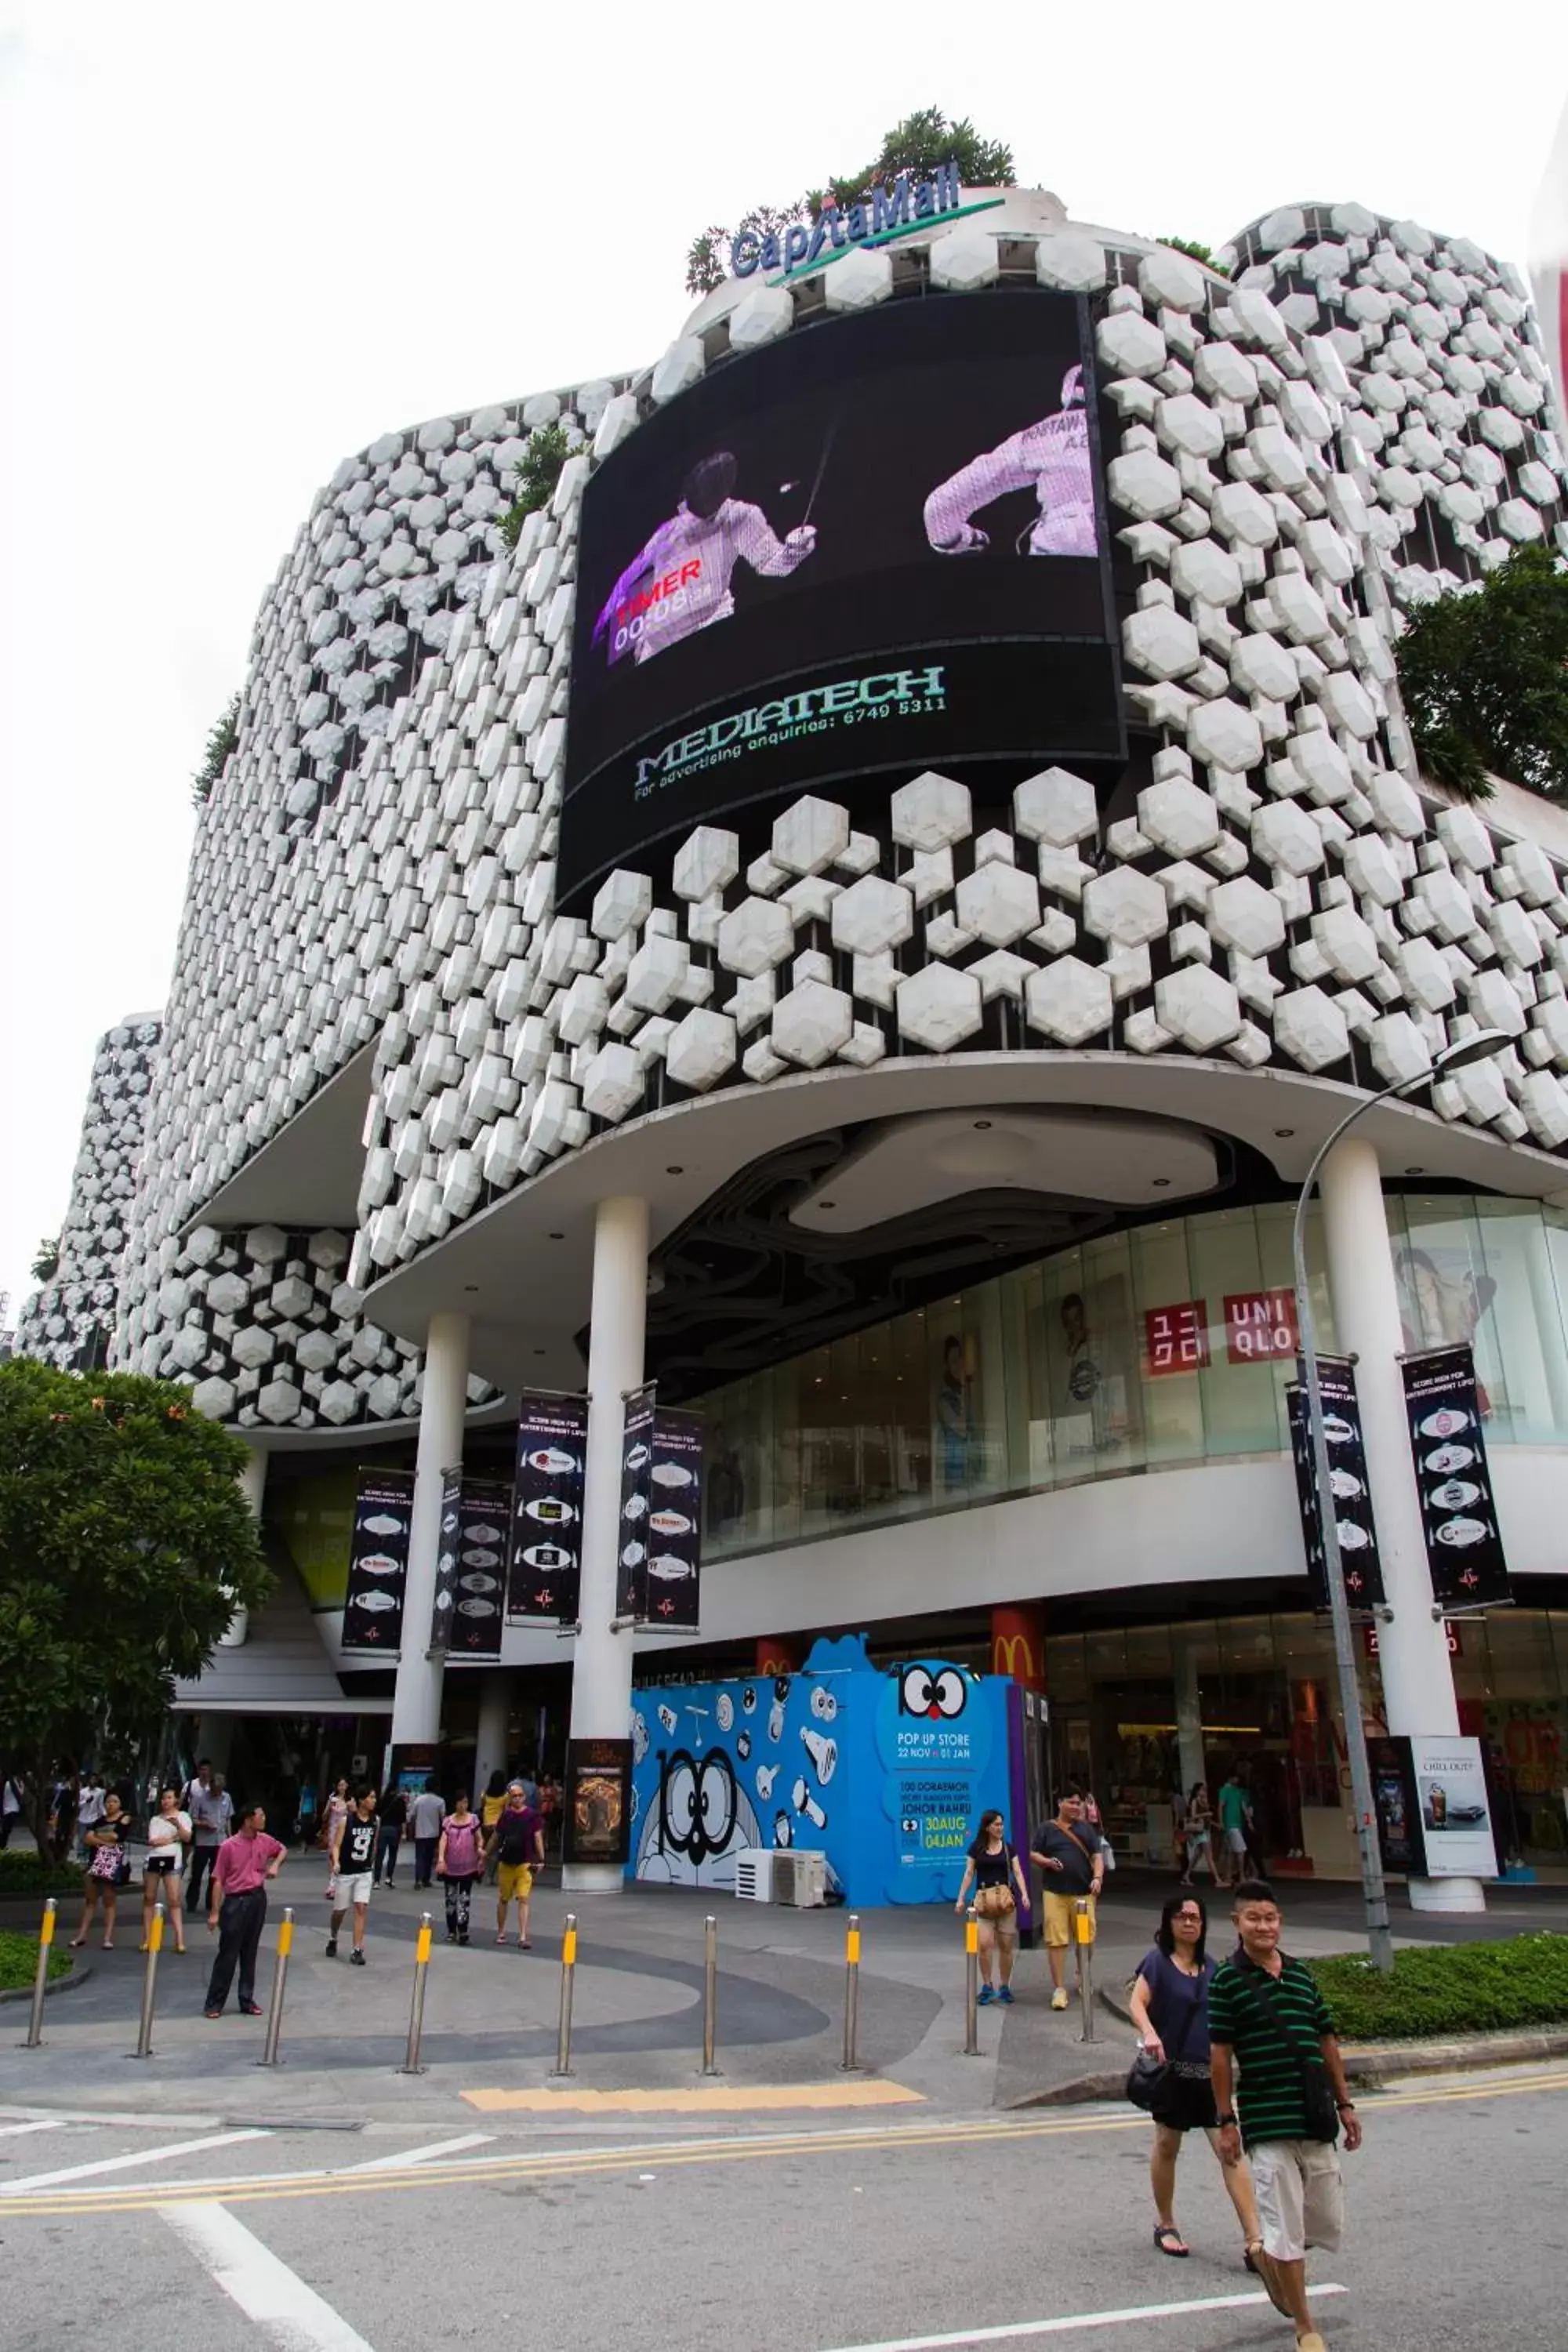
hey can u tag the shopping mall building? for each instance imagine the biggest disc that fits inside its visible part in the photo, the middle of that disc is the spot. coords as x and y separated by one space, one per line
878 964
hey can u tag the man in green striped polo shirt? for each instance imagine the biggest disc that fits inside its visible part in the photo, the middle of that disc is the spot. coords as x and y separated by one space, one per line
1268 2019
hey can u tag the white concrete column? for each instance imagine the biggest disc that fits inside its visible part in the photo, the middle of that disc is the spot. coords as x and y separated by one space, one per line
1189 1715
1412 1651
490 1744
601 1667
252 1486
416 1699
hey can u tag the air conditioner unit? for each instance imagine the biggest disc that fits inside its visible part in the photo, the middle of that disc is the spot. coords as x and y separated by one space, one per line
800 1878
754 1878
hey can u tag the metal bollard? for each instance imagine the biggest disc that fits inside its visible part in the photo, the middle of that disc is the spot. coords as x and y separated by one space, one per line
710 1992
851 1992
149 1984
416 2011
568 1971
45 1943
971 1983
1083 1930
275 2013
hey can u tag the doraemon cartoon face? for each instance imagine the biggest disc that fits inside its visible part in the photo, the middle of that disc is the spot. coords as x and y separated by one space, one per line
939 1693
698 1821
824 1705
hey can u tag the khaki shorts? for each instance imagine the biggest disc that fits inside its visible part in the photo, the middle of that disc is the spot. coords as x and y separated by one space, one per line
514 1878
1301 2196
1059 1916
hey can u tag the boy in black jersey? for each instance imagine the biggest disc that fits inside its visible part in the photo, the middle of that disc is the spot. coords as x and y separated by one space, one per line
353 1867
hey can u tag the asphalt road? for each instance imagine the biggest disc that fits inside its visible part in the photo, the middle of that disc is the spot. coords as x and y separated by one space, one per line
901 2235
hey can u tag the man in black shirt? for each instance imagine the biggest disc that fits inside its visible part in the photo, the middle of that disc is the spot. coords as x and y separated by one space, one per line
353 1867
517 1838
1070 1851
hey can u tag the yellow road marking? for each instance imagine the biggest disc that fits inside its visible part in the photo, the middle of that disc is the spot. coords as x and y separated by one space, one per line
717 2099
559 2164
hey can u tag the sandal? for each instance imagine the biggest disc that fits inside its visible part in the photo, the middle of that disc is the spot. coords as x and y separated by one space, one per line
1168 2240
1261 2265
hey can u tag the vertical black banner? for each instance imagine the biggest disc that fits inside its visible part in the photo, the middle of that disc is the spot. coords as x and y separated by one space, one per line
1458 1515
675 1522
446 1559
545 1571
633 1534
378 1562
1347 1475
470 1585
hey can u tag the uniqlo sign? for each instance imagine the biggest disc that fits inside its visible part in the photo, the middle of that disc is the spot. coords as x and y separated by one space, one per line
1260 1327
1175 1339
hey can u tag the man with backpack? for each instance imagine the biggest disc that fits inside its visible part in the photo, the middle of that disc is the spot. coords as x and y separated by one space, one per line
517 1839
1071 1853
1269 2022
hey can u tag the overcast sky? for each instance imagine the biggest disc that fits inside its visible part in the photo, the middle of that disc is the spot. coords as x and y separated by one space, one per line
238 241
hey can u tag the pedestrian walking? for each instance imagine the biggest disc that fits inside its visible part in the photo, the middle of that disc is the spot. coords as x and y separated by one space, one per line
107 1868
354 1873
493 1804
1073 1853
169 1833
336 1810
518 1843
1170 2010
1236 1822
12 1802
458 1853
1200 1837
210 1812
391 1812
1280 2094
425 1815
236 1907
90 1802
999 1887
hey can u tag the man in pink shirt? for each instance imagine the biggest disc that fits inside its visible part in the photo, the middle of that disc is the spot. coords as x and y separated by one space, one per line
245 1863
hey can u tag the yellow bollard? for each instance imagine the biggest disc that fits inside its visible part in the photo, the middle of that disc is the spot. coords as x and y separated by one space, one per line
41 1977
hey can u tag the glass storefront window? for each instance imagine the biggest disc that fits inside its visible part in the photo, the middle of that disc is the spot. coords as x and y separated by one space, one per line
1135 1352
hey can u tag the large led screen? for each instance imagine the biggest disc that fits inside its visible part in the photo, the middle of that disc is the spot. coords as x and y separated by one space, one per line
879 542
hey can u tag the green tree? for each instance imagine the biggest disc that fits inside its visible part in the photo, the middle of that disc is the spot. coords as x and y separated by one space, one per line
917 145
1203 253
223 739
125 1548
535 475
47 1264
1484 677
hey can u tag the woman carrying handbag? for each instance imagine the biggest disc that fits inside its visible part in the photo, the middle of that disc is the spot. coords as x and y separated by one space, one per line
1170 2077
996 1873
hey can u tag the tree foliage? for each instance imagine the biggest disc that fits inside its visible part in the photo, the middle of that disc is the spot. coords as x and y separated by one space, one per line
1194 252
1484 677
919 144
47 1264
537 472
223 739
125 1547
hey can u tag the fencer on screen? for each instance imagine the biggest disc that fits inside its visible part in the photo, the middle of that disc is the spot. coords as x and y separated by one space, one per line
1052 458
681 582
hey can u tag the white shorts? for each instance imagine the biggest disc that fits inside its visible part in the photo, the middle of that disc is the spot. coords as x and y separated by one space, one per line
1236 1840
353 1890
1301 2196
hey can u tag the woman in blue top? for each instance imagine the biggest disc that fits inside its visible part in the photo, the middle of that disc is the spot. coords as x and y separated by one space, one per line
1170 2008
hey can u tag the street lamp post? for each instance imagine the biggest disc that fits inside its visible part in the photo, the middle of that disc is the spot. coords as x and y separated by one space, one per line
1374 1892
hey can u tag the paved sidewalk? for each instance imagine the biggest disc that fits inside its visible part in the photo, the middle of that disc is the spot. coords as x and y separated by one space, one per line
490 2016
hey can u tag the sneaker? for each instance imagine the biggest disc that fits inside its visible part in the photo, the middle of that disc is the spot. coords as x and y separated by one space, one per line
1004 1993
1059 1998
985 1997
331 1950
356 1960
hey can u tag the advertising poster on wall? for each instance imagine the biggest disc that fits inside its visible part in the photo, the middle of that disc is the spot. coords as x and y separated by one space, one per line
544 1572
1396 1805
675 1522
1353 1492
1458 1516
471 1568
596 1808
378 1562
1454 1808
633 1534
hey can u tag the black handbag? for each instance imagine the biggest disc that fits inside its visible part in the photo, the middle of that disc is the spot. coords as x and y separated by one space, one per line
1147 2076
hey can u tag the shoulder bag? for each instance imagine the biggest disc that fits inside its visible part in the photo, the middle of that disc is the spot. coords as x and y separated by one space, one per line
1148 2076
1318 2102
